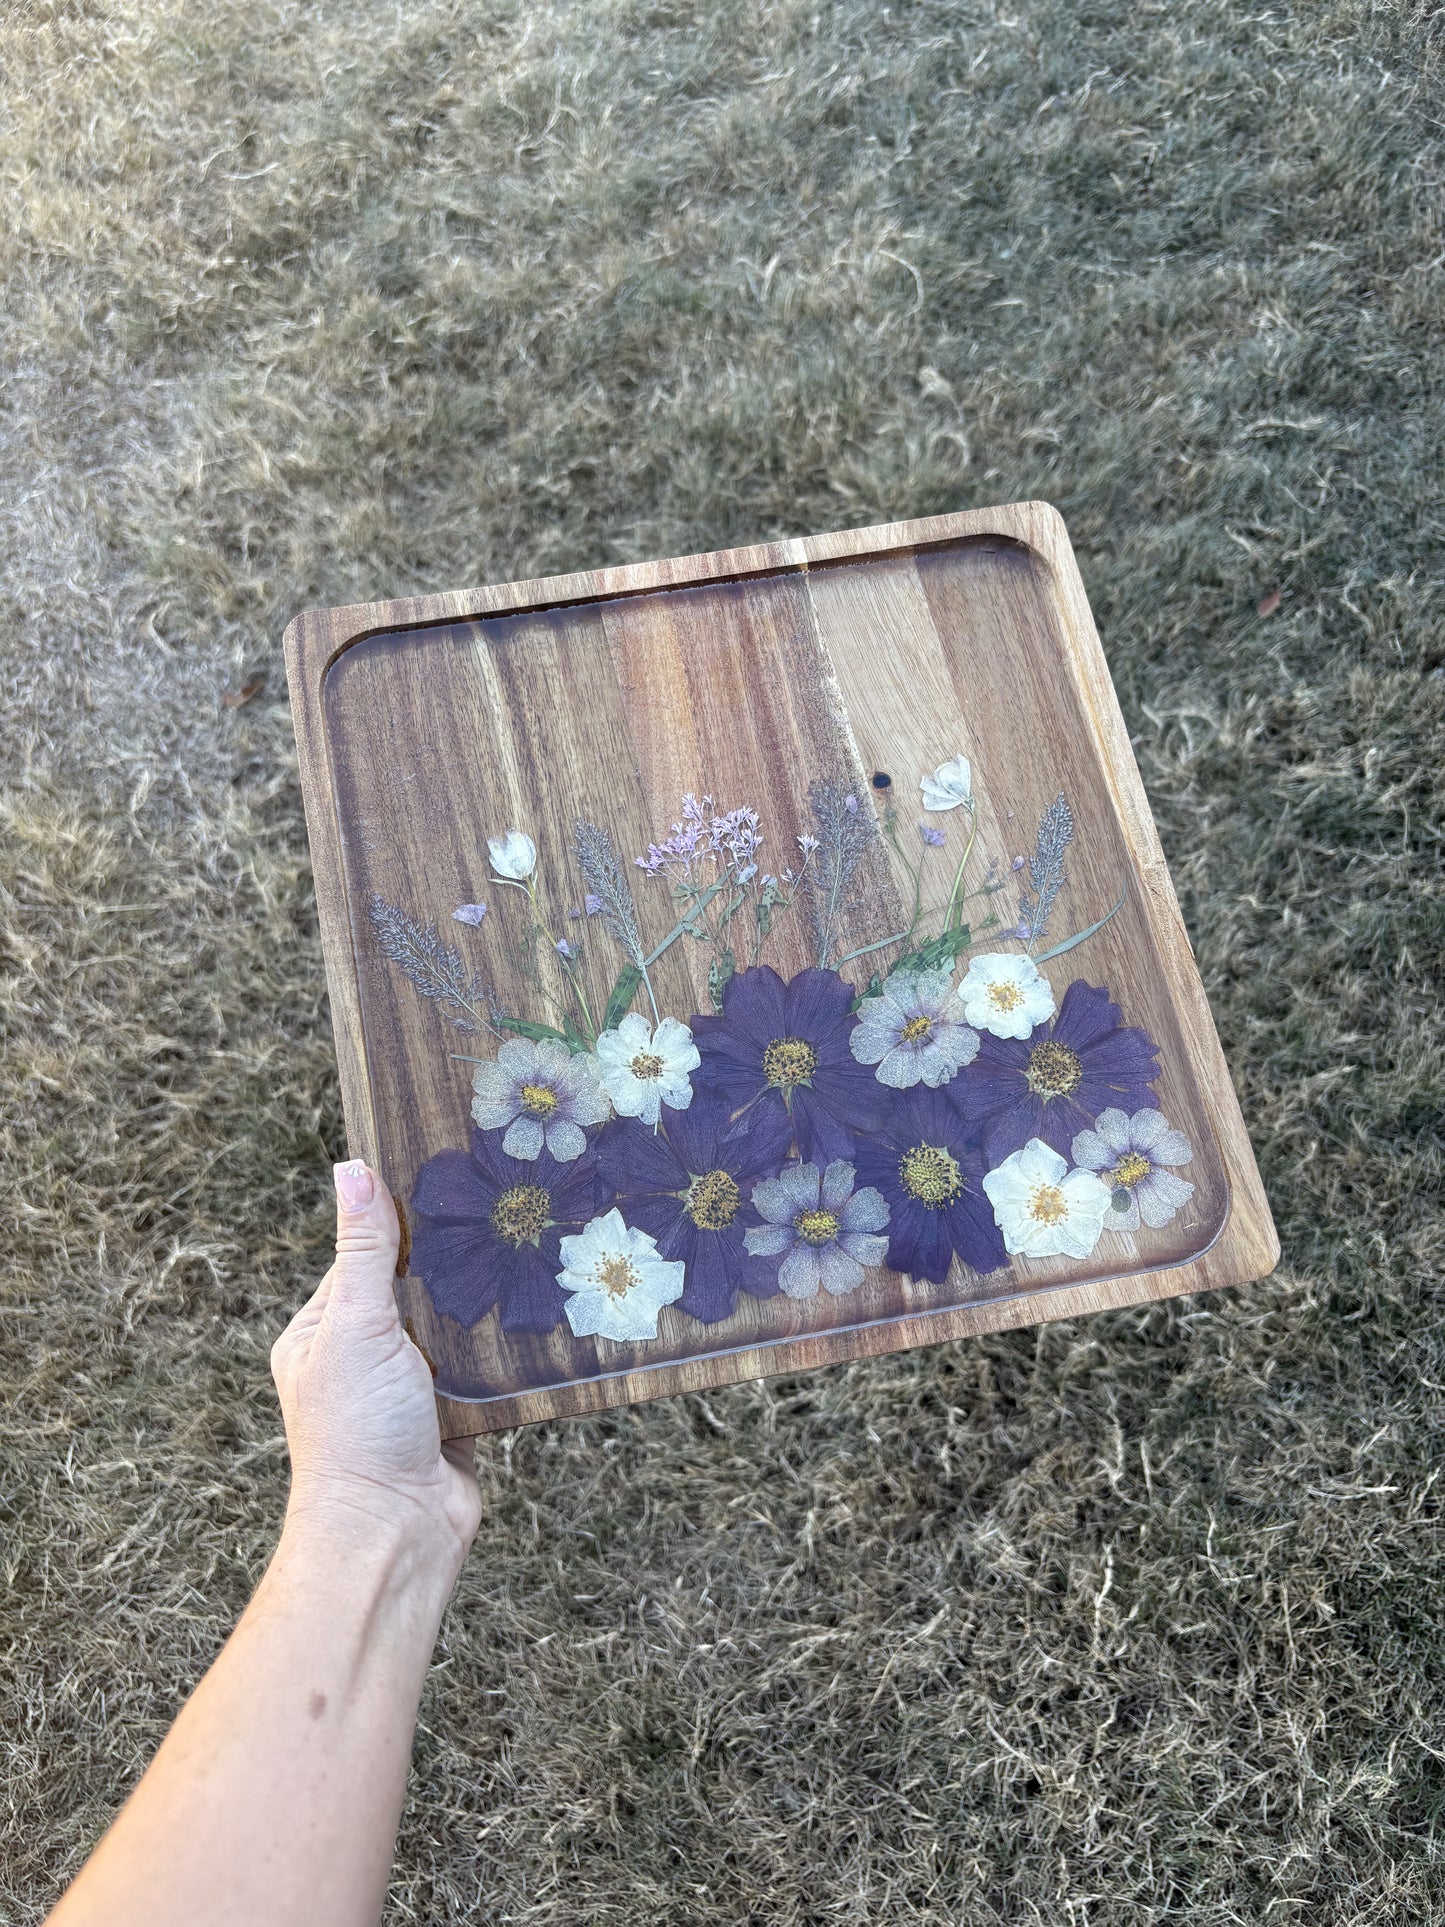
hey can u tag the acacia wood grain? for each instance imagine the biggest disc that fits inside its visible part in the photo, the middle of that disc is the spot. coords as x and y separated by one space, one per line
425 725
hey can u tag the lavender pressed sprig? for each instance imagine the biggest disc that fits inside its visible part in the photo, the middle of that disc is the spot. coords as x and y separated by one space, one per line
1046 869
434 967
609 895
842 833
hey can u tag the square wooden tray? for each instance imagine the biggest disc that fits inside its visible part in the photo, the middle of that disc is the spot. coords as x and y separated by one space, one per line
817 683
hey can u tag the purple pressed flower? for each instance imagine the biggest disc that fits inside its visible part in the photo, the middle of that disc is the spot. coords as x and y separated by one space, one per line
850 804
821 1227
928 1165
1018 863
539 1094
914 1030
471 913
486 1230
785 1048
688 1184
1055 1082
1132 1156
731 838
1020 931
567 951
591 904
934 838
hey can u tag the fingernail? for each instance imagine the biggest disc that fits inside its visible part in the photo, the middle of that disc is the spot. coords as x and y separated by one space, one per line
353 1185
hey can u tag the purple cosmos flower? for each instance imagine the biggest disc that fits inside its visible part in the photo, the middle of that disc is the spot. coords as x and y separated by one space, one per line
471 913
486 1230
1055 1082
928 1165
934 838
689 1184
784 1047
914 1030
822 1228
1132 1155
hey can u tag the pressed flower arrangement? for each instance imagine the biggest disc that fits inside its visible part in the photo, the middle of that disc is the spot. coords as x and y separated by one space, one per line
949 1105
758 960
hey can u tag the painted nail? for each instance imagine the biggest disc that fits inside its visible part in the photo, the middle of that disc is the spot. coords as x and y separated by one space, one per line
353 1185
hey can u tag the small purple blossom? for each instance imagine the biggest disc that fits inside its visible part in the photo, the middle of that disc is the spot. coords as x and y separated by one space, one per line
566 951
807 844
591 904
850 804
934 838
1021 931
469 913
1018 863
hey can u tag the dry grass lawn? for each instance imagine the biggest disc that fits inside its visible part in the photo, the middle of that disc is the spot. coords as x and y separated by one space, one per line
1128 1621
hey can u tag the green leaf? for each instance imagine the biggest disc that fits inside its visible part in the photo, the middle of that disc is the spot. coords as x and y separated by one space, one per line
936 952
1079 936
575 1041
623 992
535 1031
719 976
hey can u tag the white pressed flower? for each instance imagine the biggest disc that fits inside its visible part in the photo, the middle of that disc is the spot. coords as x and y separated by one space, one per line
1042 1207
513 855
618 1281
1006 994
950 785
642 1069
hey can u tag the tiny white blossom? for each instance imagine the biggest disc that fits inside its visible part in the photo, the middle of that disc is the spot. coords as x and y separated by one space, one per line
618 1281
1004 992
642 1069
950 785
513 855
1042 1207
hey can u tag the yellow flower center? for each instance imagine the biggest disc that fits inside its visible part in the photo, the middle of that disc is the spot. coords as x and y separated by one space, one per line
930 1175
1048 1205
1005 994
1053 1070
915 1028
617 1274
647 1065
538 1101
788 1061
816 1227
713 1201
1130 1169
521 1214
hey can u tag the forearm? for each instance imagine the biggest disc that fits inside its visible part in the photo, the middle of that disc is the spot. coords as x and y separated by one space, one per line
275 1797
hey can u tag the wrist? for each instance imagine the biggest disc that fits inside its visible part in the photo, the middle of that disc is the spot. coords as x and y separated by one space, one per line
405 1544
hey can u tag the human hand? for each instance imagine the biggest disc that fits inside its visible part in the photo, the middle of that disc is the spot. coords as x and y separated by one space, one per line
356 1394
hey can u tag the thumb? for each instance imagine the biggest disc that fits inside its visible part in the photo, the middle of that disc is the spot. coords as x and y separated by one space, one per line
367 1238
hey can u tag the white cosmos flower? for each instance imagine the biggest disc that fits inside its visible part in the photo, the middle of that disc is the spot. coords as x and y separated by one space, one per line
513 855
618 1281
1042 1207
642 1069
1005 994
950 784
